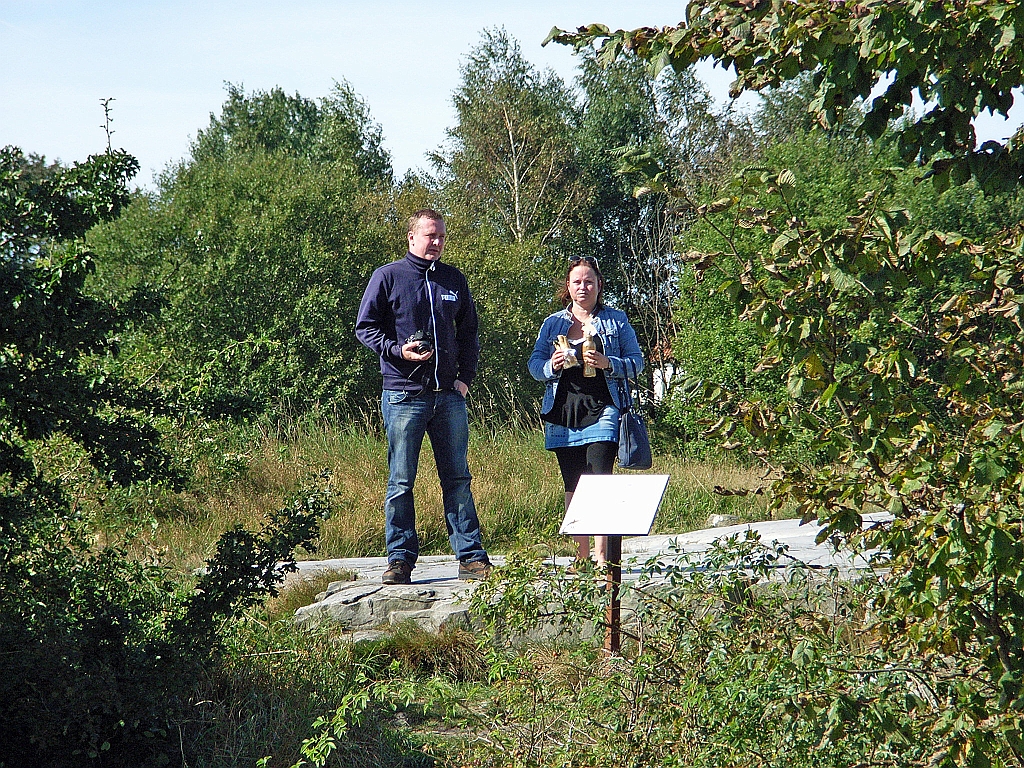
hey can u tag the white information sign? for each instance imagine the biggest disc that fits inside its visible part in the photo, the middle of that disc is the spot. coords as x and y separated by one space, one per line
614 505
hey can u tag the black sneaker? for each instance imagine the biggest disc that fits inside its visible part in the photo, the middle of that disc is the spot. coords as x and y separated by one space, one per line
398 572
475 570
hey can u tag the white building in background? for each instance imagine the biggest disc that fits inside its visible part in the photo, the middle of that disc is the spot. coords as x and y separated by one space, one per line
664 376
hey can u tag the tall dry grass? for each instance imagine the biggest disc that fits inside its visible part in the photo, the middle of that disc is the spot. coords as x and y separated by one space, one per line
241 473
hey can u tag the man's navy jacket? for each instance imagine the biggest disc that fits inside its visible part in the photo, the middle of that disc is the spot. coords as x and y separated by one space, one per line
414 294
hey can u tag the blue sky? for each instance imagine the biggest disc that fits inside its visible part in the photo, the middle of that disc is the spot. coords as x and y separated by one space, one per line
165 62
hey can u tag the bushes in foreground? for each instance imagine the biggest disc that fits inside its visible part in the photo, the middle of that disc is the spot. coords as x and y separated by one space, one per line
741 656
100 650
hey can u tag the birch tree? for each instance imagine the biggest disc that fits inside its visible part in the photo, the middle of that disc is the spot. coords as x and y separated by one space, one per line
512 159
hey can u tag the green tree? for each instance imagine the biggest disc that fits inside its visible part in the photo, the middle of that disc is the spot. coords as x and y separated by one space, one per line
834 168
966 209
514 291
632 237
900 348
337 130
49 324
259 246
959 59
100 652
629 113
512 183
512 160
900 351
709 340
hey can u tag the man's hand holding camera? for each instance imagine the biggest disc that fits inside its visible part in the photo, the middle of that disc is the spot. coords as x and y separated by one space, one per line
411 351
417 348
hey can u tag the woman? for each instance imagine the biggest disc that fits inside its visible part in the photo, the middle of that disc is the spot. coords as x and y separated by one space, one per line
585 382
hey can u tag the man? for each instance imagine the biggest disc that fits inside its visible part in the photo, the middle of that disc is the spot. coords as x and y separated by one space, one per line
418 316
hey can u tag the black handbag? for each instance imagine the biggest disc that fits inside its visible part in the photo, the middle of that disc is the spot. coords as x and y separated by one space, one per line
634 442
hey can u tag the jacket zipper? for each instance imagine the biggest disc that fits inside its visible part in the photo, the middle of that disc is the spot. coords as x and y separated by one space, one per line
433 328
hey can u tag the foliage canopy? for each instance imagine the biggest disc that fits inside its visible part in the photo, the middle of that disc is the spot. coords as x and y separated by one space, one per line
100 651
900 347
958 58
259 247
513 153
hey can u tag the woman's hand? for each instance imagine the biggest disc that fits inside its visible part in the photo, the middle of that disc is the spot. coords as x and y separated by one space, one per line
558 360
596 359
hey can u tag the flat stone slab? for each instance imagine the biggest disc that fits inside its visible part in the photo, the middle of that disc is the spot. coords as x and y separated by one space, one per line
437 598
434 570
799 540
364 605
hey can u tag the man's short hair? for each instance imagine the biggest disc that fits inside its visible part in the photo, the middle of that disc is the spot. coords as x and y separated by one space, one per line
423 213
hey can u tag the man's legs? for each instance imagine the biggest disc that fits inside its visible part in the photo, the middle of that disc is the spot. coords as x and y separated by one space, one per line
449 437
405 421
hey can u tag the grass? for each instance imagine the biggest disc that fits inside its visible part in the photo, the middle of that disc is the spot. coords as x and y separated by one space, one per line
274 681
241 473
691 499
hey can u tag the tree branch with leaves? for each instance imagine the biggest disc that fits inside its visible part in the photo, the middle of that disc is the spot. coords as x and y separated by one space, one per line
958 59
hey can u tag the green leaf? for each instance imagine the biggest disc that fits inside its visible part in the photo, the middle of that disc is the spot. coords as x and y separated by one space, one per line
555 32
784 241
993 428
803 654
1006 39
841 280
795 386
1000 546
815 370
988 471
722 204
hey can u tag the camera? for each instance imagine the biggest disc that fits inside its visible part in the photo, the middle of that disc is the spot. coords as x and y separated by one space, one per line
425 344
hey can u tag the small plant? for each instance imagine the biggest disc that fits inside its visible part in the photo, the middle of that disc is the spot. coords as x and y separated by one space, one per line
455 654
406 676
740 656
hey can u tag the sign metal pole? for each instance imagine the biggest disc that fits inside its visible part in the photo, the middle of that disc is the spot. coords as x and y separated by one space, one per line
614 506
613 579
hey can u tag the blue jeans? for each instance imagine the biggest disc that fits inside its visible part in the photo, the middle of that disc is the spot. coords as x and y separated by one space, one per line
442 415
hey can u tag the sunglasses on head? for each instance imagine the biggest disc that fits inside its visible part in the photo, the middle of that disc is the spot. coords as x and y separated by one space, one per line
577 260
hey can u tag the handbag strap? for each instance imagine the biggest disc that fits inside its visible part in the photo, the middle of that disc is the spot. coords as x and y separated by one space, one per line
629 365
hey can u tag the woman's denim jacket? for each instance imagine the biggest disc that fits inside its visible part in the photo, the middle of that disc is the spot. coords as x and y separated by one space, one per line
620 346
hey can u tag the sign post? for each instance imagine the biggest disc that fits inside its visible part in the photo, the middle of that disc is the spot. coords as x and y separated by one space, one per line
613 578
614 506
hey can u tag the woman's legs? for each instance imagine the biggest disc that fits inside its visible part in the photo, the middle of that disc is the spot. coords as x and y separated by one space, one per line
572 462
601 461
589 459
